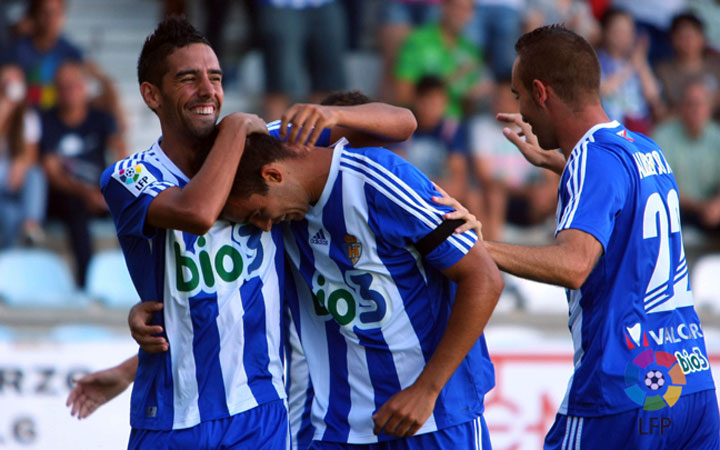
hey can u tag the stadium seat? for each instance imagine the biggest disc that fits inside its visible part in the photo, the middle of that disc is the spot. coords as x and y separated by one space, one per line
535 297
35 278
705 283
109 281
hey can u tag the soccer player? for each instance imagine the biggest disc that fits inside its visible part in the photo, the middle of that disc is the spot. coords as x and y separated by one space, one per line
220 384
642 378
390 305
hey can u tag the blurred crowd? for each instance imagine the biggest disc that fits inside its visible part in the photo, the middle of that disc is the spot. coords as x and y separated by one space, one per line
449 61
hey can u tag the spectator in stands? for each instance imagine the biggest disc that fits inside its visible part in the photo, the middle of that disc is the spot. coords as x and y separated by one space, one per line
304 36
513 190
440 49
398 19
652 19
690 144
22 182
689 61
629 90
216 14
709 10
42 51
494 28
75 139
576 15
438 148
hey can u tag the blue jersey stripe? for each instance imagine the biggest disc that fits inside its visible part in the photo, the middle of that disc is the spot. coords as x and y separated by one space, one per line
206 344
256 360
336 417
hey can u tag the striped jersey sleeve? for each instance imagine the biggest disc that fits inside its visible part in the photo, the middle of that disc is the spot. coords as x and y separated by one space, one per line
589 199
402 209
130 185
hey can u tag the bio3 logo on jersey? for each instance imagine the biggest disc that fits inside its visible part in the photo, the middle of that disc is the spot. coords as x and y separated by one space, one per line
205 267
359 302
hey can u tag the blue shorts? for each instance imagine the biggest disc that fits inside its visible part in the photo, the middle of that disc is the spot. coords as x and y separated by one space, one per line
469 435
264 427
692 423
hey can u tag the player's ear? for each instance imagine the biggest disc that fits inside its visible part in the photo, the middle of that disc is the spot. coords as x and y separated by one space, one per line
271 174
539 92
151 95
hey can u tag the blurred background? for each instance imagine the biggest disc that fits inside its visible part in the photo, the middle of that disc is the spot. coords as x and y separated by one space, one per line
70 106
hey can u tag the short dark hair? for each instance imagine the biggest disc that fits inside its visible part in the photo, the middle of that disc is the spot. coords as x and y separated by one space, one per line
170 34
260 150
687 18
345 98
612 13
35 5
429 83
562 59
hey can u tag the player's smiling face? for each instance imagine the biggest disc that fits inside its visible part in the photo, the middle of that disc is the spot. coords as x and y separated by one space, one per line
191 92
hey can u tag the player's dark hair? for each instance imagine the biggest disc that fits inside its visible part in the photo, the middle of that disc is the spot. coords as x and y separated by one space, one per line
429 83
170 34
687 18
260 150
562 59
345 98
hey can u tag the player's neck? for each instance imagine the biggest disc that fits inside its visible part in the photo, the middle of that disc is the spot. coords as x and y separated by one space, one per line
576 124
313 170
184 152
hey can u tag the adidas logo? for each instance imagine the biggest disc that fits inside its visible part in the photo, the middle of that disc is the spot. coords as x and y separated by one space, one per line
319 238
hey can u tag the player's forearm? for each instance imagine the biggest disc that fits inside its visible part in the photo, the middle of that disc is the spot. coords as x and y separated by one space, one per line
548 264
477 294
471 311
196 207
374 124
128 368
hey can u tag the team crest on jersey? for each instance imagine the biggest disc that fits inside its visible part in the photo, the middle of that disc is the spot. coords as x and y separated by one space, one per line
353 248
135 178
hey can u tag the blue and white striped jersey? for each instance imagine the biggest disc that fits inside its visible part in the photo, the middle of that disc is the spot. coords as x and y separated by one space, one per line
378 308
222 304
634 316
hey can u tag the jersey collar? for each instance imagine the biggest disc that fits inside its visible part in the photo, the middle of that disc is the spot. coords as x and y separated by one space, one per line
338 148
167 162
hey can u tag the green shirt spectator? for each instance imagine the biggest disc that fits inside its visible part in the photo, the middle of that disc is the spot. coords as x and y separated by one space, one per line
694 161
427 52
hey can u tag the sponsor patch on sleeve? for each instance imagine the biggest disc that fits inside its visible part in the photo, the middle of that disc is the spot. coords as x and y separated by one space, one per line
135 178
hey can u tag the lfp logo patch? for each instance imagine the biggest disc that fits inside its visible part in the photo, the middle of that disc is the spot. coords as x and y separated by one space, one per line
135 178
131 174
654 380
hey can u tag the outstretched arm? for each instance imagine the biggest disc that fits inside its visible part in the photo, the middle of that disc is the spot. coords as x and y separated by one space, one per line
567 262
363 125
479 287
96 389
